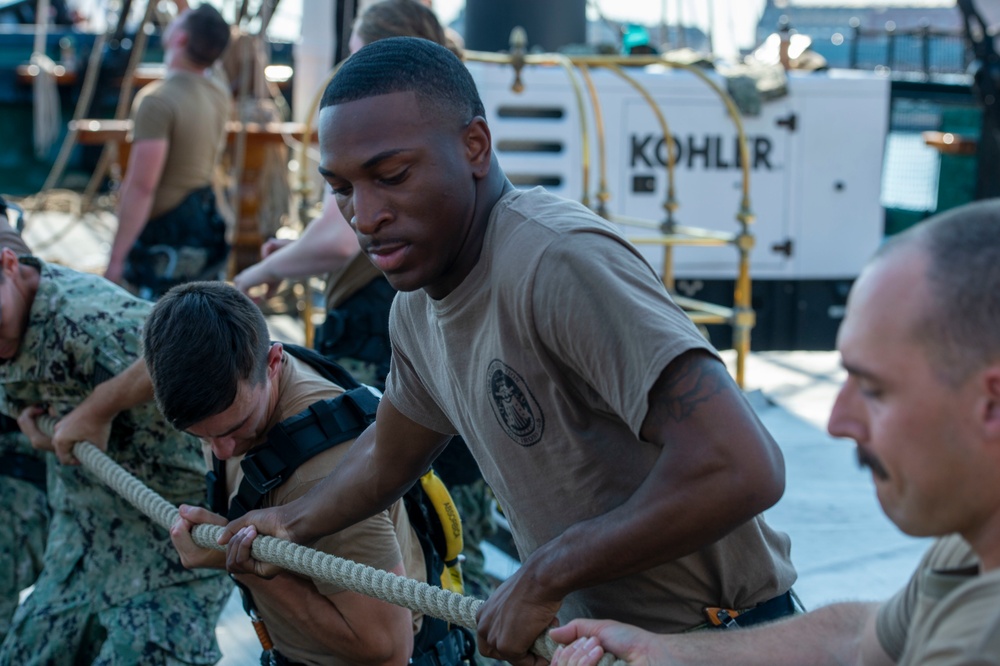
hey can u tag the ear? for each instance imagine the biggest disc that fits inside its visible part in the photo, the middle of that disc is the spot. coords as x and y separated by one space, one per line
479 147
8 261
991 402
274 355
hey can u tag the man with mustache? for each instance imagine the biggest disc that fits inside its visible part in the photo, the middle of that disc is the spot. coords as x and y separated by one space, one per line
922 400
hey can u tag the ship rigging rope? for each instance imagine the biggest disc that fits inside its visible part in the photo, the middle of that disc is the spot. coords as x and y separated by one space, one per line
399 590
82 106
110 151
45 94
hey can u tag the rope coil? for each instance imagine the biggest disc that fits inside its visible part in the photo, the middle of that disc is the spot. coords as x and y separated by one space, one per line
399 590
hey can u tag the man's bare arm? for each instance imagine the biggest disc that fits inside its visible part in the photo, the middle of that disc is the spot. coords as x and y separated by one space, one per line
836 635
146 161
91 420
326 245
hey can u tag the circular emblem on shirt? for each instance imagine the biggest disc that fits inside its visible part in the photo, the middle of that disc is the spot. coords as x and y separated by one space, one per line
513 404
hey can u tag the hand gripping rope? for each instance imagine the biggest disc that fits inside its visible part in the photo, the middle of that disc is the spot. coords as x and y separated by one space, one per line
360 578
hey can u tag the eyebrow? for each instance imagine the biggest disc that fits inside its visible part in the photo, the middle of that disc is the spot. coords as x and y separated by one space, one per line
384 155
858 371
225 434
369 163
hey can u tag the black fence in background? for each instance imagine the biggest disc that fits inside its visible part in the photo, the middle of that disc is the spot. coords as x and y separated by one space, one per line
922 50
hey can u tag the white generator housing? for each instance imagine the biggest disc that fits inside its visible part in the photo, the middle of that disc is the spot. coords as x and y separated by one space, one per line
815 156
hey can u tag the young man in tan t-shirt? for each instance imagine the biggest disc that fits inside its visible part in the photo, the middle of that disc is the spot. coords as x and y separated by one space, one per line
628 462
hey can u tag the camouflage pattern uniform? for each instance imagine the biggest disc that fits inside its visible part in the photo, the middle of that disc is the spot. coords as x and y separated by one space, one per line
24 522
25 518
363 371
112 590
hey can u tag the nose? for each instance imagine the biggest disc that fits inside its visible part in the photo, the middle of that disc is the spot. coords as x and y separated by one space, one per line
223 447
367 214
847 415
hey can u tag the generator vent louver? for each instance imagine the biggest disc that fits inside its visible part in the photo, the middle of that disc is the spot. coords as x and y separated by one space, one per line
533 112
529 146
535 180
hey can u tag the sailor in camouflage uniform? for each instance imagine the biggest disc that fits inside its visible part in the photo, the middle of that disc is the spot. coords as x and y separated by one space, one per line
24 521
112 590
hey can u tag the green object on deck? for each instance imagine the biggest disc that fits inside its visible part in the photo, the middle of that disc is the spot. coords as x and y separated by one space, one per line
957 176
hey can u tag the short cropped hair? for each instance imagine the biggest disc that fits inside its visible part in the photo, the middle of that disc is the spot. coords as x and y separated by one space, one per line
200 342
208 35
961 326
407 64
401 18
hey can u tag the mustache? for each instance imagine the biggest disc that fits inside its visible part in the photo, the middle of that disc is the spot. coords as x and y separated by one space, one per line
866 459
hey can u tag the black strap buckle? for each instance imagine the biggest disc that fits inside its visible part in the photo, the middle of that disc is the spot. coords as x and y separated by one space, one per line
263 470
457 647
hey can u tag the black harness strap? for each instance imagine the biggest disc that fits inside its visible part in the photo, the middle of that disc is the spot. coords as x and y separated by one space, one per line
295 440
321 426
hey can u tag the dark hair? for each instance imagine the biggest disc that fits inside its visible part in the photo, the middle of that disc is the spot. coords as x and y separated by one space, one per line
208 35
401 18
960 327
405 64
201 341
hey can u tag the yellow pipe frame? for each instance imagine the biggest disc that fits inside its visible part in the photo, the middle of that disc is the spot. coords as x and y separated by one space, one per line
602 162
303 193
670 204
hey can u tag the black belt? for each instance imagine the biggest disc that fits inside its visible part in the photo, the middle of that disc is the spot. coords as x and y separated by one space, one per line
275 658
457 647
780 606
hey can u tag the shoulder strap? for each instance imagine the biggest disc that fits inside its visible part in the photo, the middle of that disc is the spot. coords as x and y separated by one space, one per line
295 440
321 426
215 482
329 369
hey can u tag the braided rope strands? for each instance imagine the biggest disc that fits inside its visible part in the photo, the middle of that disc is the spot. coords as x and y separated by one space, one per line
398 590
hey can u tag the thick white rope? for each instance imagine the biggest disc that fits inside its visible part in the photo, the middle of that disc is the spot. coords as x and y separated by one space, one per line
398 590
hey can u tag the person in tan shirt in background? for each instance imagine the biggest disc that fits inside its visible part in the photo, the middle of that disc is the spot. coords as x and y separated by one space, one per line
169 229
